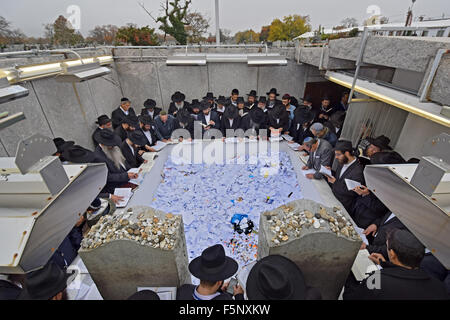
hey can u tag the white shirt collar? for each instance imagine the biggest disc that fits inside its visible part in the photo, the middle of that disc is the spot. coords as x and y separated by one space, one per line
202 297
126 112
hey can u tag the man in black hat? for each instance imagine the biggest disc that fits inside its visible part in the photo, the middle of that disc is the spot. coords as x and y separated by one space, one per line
144 295
251 100
211 99
233 98
209 118
242 109
150 109
220 107
375 145
401 278
300 126
272 101
48 283
129 124
255 120
61 146
121 112
184 120
103 122
230 119
348 168
262 104
178 103
165 124
306 104
195 109
325 111
108 152
277 278
148 129
212 268
278 119
131 148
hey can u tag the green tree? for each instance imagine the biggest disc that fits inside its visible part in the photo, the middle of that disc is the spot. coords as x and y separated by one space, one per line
196 27
103 34
174 20
292 26
246 36
62 33
135 36
264 34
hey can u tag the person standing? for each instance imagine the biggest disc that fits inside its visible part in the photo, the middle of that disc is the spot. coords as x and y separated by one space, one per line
150 109
178 103
272 98
122 112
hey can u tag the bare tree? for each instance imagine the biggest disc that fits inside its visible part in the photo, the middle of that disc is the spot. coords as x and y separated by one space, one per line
349 23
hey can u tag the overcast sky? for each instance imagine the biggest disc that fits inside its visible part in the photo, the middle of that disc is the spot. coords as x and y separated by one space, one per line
235 15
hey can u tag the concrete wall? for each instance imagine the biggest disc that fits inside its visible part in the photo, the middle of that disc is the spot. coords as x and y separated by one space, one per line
415 133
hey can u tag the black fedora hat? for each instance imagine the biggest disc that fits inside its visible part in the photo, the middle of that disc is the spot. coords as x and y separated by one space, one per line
252 93
102 120
262 100
381 142
137 137
205 105
303 116
108 138
132 120
78 154
195 104
276 278
235 92
144 295
146 119
209 96
273 90
221 100
307 98
183 116
240 100
213 265
46 283
387 157
231 112
149 104
178 97
257 115
62 144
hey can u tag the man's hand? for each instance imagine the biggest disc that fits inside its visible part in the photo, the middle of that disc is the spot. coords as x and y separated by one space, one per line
372 229
80 221
238 290
363 246
310 176
145 161
116 199
141 152
331 179
132 175
211 123
305 168
377 258
362 191
164 140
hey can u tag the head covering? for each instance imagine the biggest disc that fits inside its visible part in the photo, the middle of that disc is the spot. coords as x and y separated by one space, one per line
46 283
286 97
309 141
381 142
62 145
343 146
178 97
183 116
137 137
240 100
195 104
221 100
132 120
326 98
257 115
146 119
78 154
144 295
262 100
213 265
95 205
303 116
231 112
163 113
317 127
307 98
252 93
235 92
108 138
209 96
102 120
276 278
205 105
124 100
149 104
273 90
388 157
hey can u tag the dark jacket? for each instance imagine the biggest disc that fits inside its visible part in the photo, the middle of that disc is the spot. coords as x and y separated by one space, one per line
299 133
226 124
276 102
378 244
368 210
68 249
156 111
164 130
186 292
134 160
8 290
153 135
330 137
247 122
118 116
214 117
121 132
347 197
283 121
93 136
398 283
173 108
116 176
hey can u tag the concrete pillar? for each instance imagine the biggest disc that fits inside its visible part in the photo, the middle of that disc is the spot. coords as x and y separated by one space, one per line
142 247
320 240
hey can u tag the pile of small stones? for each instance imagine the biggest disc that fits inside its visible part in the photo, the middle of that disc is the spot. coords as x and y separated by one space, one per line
146 228
290 222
